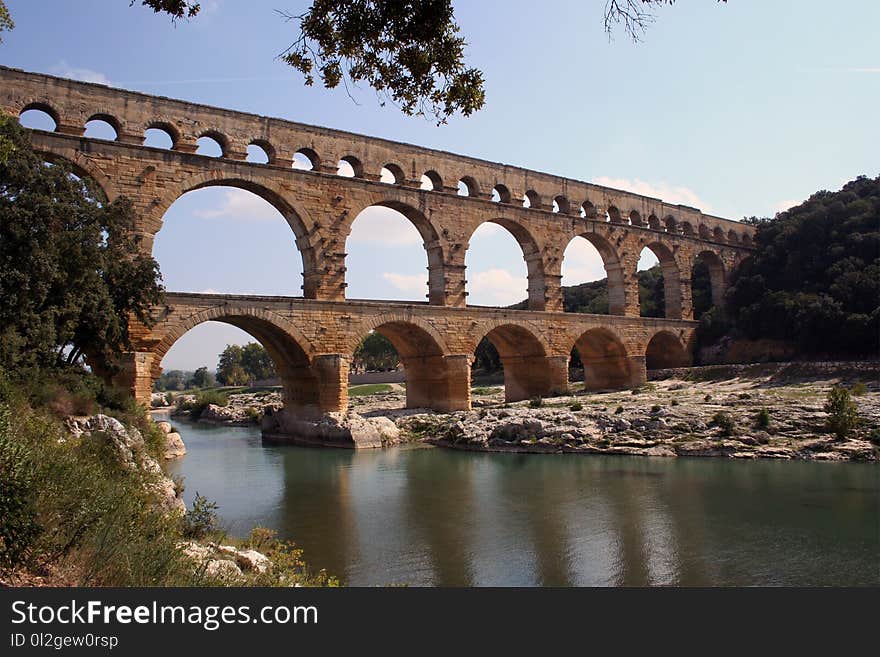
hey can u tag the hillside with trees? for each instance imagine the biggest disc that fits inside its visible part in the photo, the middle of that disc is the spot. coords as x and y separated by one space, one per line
814 280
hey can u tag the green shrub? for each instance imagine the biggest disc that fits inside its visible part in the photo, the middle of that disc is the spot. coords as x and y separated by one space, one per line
674 402
536 402
724 422
576 406
859 389
707 398
201 519
202 400
762 419
843 416
618 410
655 408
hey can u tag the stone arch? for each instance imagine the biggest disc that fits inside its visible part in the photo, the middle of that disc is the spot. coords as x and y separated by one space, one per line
356 165
665 350
397 172
588 210
107 118
687 229
613 270
266 147
671 278
562 204
717 274
435 179
265 321
614 215
471 186
635 218
291 352
718 234
432 380
533 199
311 155
433 344
671 224
167 127
503 193
513 332
221 139
83 167
532 256
430 242
42 105
296 216
524 356
704 232
605 359
654 222
732 236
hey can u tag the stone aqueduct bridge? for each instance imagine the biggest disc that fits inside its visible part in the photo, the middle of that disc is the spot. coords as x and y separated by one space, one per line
312 338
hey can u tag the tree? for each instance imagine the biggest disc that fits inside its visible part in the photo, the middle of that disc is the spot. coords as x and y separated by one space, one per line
635 15
375 352
71 272
201 378
255 360
238 365
6 23
814 279
408 51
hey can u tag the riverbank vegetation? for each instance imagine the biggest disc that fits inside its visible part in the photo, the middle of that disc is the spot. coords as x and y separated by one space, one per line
83 500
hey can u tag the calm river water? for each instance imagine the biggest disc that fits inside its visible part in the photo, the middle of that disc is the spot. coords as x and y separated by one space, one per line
437 517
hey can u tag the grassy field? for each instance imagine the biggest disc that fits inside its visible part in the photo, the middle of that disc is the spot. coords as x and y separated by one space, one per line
368 389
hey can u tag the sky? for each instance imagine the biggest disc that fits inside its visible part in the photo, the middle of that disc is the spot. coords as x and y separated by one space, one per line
740 109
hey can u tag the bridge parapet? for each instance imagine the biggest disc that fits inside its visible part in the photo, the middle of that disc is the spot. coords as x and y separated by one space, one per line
72 104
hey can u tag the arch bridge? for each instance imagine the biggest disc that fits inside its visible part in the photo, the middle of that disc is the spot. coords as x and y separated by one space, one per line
446 197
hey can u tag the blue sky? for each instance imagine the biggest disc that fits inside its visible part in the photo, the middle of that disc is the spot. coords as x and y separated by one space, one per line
739 109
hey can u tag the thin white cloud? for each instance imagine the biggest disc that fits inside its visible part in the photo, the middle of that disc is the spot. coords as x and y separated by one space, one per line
384 226
242 206
64 70
209 290
417 283
496 287
662 190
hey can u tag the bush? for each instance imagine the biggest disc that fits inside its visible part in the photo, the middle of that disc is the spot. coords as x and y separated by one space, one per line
536 402
202 400
618 410
70 503
655 408
859 389
707 398
724 422
843 416
674 402
576 406
201 519
762 419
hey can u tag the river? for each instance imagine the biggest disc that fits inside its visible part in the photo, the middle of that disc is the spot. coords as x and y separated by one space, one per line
428 516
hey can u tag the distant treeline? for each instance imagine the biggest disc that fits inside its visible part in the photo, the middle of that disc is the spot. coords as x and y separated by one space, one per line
814 280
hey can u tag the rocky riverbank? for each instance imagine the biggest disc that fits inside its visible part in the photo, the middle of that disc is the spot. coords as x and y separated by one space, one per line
751 411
